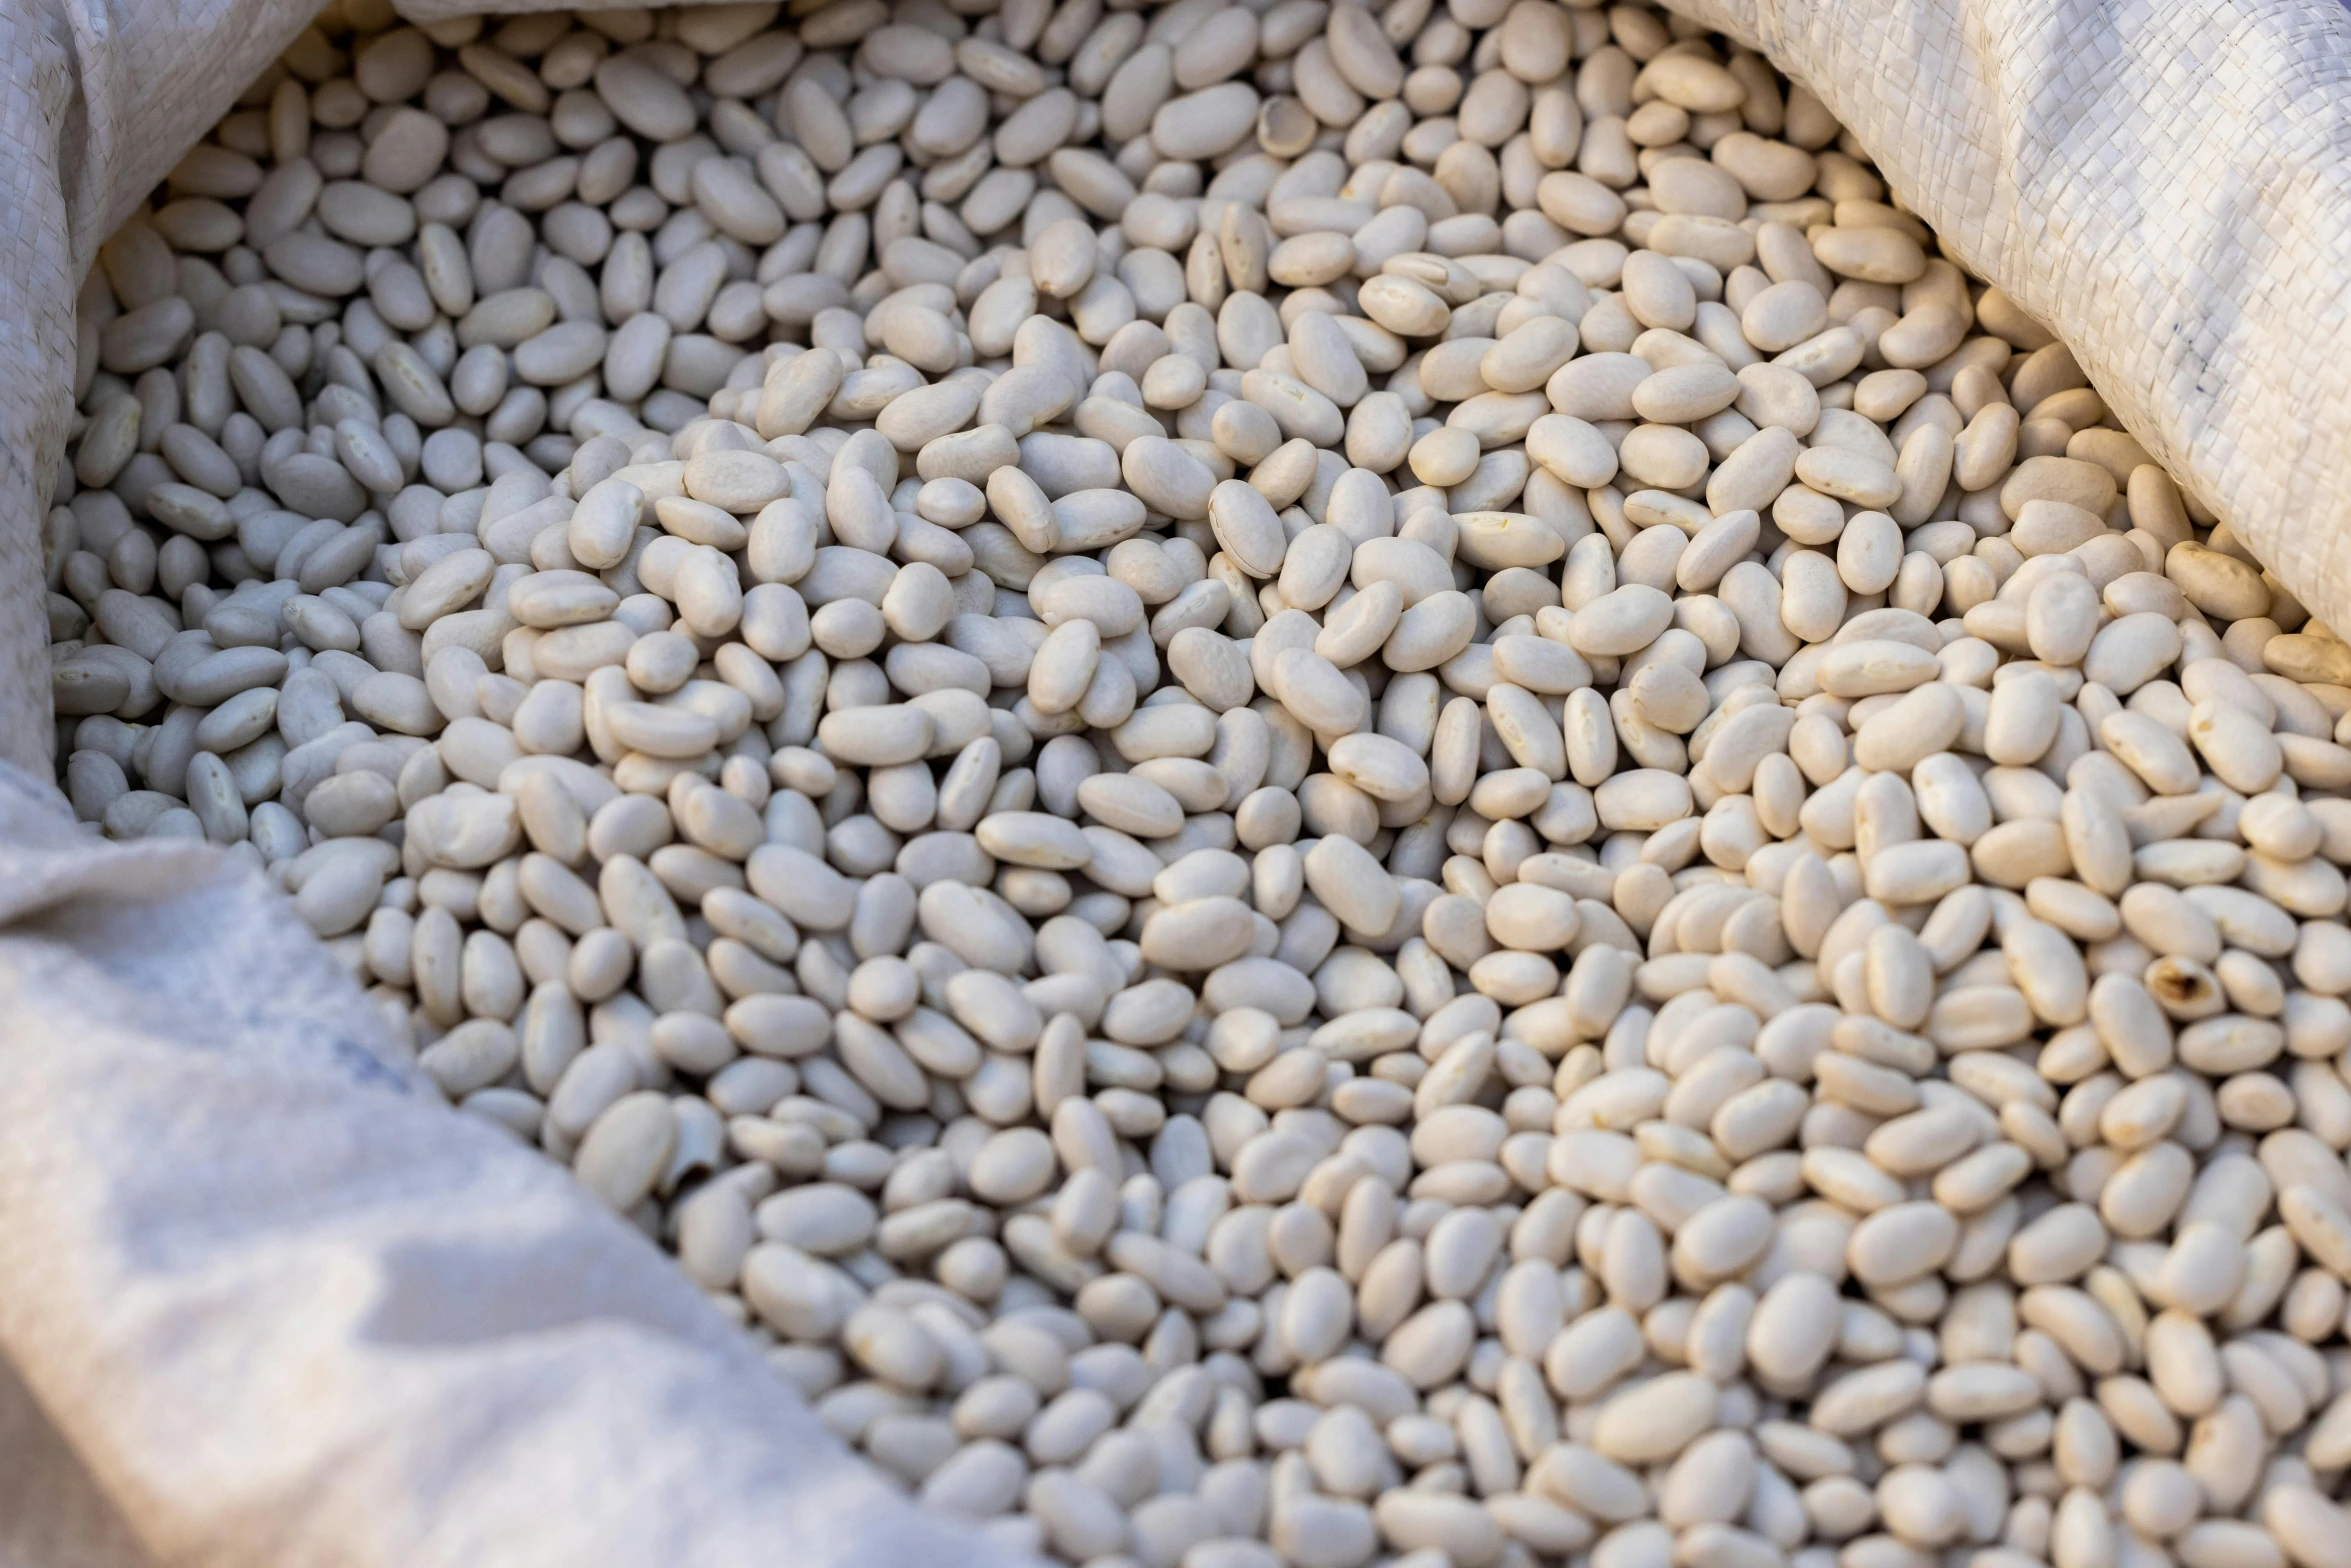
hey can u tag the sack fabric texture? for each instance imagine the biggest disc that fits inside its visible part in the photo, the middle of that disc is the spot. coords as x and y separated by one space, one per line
264 1300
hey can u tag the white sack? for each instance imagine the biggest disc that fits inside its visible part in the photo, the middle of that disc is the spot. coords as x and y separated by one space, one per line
281 1306
98 99
266 1301
2166 185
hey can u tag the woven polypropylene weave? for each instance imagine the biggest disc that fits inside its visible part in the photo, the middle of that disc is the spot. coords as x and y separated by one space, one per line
2166 184
267 1302
97 102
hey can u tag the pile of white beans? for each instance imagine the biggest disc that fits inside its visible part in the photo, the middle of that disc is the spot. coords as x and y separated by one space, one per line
1312 785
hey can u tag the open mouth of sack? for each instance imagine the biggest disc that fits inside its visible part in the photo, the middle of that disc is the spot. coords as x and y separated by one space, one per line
1306 783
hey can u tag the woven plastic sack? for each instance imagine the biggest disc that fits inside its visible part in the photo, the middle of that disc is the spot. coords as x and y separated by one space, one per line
266 1300
263 1300
2167 186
